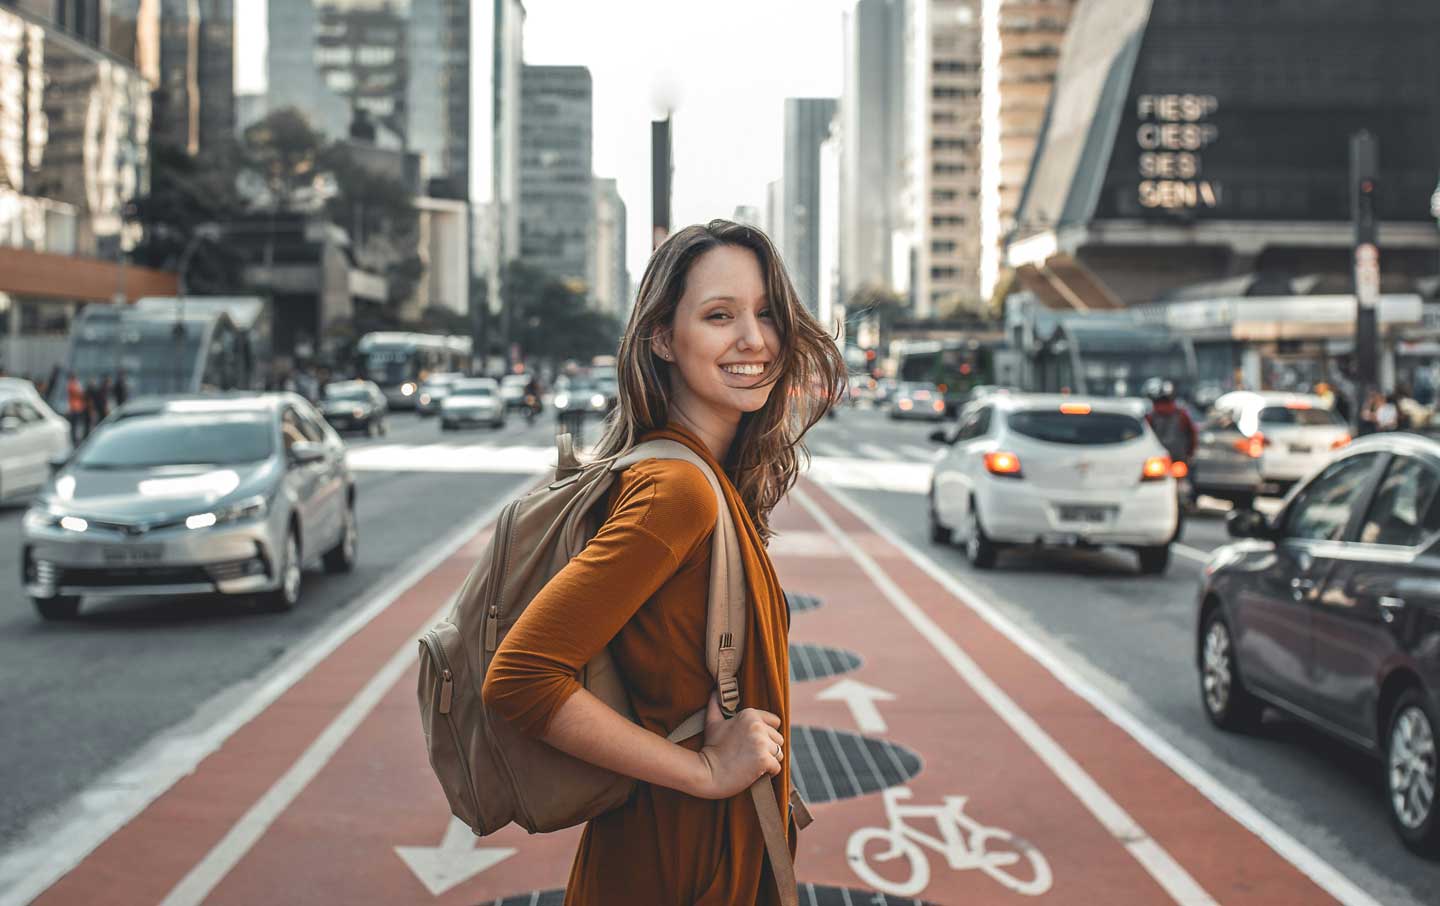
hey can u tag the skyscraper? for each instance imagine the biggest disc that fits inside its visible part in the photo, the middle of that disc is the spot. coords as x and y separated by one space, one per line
187 49
557 208
612 279
807 126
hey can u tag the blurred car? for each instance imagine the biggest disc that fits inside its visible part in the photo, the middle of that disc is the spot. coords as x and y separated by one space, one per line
1027 469
512 390
578 395
434 390
1253 443
31 436
193 495
1330 611
914 400
884 390
356 406
472 401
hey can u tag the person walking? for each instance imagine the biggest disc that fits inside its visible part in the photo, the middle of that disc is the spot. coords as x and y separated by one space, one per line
122 388
721 356
77 410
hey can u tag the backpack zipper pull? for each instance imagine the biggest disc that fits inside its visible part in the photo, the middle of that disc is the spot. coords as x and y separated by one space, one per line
492 627
447 688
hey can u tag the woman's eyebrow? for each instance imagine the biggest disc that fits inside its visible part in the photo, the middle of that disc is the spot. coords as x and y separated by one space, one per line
763 299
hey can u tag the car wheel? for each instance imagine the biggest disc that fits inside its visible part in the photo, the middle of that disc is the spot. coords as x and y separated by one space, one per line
979 549
341 557
1243 501
372 428
1228 704
939 534
1411 772
60 607
446 426
1154 560
385 427
287 595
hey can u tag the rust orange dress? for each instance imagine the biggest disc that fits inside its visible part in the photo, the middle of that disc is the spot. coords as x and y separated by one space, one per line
641 586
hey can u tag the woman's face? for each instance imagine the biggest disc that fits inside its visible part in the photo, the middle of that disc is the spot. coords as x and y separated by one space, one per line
723 340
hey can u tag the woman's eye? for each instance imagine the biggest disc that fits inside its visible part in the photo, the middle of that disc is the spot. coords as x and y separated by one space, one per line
717 314
767 313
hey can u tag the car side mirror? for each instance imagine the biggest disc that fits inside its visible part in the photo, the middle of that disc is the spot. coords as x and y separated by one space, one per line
9 423
940 436
304 452
1248 524
58 461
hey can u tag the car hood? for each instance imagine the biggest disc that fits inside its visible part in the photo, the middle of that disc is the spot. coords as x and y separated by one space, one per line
468 402
156 494
343 406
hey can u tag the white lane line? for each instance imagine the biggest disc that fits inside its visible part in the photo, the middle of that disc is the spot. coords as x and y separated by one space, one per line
1161 866
875 451
53 847
1192 553
201 880
825 449
925 454
1306 860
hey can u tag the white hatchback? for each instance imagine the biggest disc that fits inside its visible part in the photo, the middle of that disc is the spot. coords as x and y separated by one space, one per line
31 437
1024 469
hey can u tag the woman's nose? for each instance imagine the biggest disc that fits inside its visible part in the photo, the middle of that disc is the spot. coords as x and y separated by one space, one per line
751 337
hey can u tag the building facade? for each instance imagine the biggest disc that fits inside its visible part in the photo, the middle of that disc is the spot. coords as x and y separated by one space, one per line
611 294
557 207
807 126
1021 43
945 168
873 136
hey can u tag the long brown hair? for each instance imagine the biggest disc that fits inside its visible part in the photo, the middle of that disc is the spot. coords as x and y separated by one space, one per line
764 459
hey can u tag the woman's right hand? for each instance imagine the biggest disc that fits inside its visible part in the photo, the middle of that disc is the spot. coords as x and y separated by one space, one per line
738 751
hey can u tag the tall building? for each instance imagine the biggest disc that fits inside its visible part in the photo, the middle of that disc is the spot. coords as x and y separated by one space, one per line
775 214
872 110
187 49
830 307
557 208
1021 41
611 294
807 126
944 172
749 215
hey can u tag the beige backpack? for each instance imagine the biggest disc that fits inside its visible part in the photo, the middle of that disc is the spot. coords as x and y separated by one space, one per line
491 773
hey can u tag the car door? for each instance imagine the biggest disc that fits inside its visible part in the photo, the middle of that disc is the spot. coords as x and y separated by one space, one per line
953 474
303 481
1380 582
34 445
330 490
13 458
1274 609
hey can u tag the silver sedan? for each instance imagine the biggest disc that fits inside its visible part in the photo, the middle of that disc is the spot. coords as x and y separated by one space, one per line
198 495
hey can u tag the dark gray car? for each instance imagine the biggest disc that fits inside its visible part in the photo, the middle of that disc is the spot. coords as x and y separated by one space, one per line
1330 611
193 495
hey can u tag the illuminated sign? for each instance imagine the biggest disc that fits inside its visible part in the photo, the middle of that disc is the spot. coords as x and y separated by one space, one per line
1174 132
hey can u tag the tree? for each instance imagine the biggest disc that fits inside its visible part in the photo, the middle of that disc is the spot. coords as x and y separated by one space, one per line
551 320
186 192
283 151
379 213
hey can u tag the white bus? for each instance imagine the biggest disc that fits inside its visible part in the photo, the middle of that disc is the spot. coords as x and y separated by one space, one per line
399 361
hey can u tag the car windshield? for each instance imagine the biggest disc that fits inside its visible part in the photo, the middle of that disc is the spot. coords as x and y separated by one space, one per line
351 393
167 439
1088 429
472 390
1306 418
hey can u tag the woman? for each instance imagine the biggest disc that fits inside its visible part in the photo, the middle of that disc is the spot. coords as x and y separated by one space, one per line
721 356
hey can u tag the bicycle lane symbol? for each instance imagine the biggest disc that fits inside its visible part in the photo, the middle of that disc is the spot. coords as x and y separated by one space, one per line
965 844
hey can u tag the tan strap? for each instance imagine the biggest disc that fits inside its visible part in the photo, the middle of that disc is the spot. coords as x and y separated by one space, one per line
565 459
777 844
693 725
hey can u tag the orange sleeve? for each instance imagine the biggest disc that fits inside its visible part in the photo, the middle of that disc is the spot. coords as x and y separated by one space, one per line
662 511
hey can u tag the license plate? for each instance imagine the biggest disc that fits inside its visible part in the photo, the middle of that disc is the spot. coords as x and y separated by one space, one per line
1299 448
136 553
1090 514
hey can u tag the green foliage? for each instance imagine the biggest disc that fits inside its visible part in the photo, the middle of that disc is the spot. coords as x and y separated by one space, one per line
185 192
551 320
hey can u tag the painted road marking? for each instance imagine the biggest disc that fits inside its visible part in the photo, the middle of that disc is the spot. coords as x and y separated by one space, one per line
1322 873
861 700
455 861
1192 553
876 452
1161 866
112 802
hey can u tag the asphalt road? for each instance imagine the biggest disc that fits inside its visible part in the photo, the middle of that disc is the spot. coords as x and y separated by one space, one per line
87 695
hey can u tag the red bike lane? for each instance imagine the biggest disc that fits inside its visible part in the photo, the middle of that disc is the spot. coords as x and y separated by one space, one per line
943 763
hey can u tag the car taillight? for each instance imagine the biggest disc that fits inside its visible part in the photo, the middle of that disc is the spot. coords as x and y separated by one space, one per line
1341 441
1006 465
938 405
1156 468
1179 469
1252 446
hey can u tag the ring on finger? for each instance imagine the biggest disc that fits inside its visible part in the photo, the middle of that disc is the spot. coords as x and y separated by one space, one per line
777 750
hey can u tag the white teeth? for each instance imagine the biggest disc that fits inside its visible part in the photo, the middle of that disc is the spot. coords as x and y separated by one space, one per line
745 369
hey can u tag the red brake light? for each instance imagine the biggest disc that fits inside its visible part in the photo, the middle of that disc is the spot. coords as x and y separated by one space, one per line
1298 404
1341 441
1252 446
1075 408
1179 470
1005 464
1156 467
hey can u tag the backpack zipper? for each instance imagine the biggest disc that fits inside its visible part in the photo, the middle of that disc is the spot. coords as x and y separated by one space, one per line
431 641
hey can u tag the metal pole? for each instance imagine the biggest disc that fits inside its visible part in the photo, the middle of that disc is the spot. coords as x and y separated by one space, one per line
1364 178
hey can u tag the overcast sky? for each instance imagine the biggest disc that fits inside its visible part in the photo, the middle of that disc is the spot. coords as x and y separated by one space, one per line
726 68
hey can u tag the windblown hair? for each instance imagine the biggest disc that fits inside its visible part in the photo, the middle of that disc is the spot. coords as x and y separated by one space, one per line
764 459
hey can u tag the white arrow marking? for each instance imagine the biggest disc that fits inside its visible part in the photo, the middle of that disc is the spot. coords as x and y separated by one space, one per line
454 861
861 699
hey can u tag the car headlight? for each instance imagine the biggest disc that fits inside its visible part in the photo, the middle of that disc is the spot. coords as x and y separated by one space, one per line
598 401
407 388
250 508
425 399
37 518
357 412
562 401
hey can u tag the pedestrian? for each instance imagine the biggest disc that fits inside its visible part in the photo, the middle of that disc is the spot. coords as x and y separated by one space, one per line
122 388
77 409
99 406
713 298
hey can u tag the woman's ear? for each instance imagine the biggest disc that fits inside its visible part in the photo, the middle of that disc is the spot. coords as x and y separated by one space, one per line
660 345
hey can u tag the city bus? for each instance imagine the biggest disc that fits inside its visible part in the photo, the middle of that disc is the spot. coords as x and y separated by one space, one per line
398 362
165 346
1109 355
957 367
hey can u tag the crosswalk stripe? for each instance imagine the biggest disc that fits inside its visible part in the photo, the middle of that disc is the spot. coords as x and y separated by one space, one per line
825 449
922 453
875 452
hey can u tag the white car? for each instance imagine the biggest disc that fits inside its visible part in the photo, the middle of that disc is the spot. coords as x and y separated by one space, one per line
1026 469
512 389
1290 435
472 401
31 436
